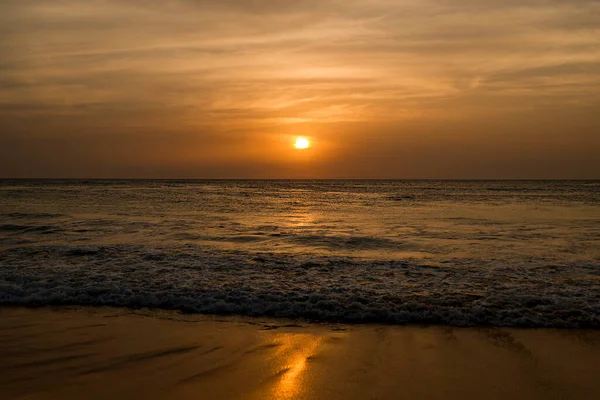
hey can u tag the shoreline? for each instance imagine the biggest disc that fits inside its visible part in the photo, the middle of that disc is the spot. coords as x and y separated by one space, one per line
97 353
267 321
210 281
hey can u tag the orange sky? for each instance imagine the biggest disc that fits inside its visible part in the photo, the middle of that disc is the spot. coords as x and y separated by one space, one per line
383 88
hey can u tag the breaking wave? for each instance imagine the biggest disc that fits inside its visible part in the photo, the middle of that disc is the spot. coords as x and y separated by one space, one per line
195 279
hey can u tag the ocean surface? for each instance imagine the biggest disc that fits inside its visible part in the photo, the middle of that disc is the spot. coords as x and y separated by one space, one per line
503 253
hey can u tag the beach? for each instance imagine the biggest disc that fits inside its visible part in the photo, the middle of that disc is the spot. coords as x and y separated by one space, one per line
100 353
205 289
308 200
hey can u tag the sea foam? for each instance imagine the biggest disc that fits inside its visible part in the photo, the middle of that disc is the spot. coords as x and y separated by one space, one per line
197 280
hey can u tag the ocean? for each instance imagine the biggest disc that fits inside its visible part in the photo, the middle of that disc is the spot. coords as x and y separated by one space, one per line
463 253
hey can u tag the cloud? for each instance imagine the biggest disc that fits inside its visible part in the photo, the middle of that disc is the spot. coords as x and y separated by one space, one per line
263 67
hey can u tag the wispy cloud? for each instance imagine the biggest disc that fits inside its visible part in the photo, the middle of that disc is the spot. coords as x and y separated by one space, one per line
263 66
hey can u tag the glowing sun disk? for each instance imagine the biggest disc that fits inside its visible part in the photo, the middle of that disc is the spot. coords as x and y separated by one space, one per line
301 143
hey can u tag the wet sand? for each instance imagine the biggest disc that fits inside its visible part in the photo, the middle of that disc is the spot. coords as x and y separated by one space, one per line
76 353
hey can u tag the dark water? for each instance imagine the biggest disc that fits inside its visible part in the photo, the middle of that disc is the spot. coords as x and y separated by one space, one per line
452 252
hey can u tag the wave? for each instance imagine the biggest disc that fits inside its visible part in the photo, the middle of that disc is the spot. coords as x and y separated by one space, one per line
198 280
342 241
21 215
29 228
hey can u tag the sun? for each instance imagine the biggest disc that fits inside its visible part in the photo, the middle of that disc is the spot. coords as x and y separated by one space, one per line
302 143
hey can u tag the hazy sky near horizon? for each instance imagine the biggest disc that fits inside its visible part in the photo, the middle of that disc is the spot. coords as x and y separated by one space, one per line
383 88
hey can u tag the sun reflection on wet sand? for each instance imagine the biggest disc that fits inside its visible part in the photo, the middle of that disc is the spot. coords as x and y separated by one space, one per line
292 378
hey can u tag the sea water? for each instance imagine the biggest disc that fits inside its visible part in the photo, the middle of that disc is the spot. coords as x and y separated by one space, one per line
504 253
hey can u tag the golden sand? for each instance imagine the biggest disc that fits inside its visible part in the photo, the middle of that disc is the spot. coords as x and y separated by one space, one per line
84 353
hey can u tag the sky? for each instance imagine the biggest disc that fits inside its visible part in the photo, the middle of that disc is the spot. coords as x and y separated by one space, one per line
448 89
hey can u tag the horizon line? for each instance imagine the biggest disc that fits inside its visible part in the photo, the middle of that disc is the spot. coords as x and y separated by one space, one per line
297 179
